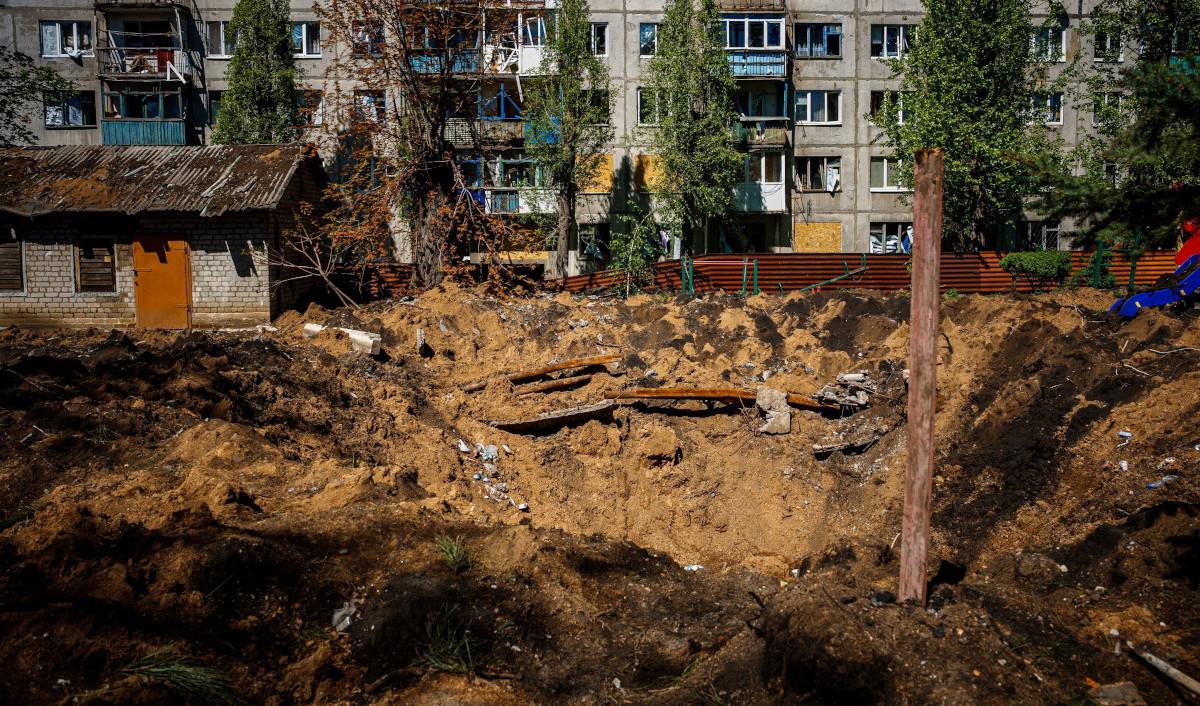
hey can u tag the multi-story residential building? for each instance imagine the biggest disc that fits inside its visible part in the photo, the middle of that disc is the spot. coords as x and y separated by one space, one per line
818 177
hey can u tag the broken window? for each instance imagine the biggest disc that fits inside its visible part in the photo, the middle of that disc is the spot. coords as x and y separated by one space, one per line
1108 47
95 265
143 104
891 41
600 38
220 40
310 108
819 107
764 168
368 38
819 173
70 109
144 34
891 100
71 38
214 106
647 39
818 41
370 105
594 240
891 238
648 112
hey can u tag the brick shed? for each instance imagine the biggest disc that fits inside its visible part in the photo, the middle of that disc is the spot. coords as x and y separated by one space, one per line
156 237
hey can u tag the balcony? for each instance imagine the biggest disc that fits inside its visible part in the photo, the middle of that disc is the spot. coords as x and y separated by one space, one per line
131 131
463 61
467 132
143 63
753 197
762 132
514 201
757 63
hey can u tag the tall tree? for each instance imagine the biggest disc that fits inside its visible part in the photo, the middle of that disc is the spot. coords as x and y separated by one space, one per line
965 85
568 111
259 106
692 86
22 86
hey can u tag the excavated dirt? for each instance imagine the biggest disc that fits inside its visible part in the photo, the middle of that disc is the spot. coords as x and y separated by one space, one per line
216 497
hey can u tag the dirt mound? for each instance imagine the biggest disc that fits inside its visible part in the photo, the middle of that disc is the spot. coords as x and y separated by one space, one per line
227 498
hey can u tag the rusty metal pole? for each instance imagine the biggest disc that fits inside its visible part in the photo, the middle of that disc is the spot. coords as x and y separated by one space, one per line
922 367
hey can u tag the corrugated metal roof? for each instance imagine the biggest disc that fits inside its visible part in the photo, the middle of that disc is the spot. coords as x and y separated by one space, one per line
107 178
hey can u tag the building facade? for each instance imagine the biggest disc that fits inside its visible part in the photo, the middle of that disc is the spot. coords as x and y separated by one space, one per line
817 175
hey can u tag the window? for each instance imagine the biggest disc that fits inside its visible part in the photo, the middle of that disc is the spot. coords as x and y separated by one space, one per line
1108 48
220 40
1185 41
1106 109
12 264
593 240
600 38
368 38
95 266
819 173
818 41
891 41
1037 235
888 99
599 99
535 32
310 108
647 107
1046 108
764 168
1050 43
143 104
66 38
647 39
753 32
891 237
70 109
759 103
819 107
214 106
370 105
885 174
145 34
306 39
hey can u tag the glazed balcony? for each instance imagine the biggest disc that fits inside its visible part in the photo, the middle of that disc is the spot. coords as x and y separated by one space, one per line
756 63
762 132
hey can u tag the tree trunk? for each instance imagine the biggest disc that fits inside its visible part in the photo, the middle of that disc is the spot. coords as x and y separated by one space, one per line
564 226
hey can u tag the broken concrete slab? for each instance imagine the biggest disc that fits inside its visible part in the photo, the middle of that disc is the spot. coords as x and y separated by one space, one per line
360 341
774 403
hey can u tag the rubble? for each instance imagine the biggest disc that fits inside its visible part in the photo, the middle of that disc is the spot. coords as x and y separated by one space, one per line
360 341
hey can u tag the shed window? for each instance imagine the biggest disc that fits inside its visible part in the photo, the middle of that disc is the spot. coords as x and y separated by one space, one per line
95 266
11 266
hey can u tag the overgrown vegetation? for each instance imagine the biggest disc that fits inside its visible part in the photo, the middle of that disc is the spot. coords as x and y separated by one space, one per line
448 643
965 86
568 116
195 681
691 88
454 552
23 85
259 104
1041 268
1096 273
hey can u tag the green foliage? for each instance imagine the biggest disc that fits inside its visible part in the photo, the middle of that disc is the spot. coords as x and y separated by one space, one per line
693 87
965 84
197 682
950 294
454 552
570 108
22 86
634 247
1086 275
259 105
1041 268
448 643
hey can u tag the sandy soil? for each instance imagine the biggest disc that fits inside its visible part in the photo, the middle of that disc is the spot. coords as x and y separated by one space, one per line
214 498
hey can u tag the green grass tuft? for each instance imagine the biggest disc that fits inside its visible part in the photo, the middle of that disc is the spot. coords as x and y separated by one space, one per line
448 643
454 553
203 684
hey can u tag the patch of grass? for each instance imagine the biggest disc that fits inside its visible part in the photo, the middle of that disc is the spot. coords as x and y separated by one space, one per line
710 697
203 684
454 552
950 295
448 643
103 435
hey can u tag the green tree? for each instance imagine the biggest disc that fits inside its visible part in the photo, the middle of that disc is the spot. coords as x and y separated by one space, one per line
259 105
568 112
690 87
22 86
965 85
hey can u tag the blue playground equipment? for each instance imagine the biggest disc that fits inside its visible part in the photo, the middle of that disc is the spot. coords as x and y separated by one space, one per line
1186 283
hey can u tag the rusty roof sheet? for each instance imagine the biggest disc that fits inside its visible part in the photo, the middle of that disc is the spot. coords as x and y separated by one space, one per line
106 178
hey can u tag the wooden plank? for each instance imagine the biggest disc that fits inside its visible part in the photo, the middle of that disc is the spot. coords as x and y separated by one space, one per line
922 365
546 370
556 419
713 395
554 385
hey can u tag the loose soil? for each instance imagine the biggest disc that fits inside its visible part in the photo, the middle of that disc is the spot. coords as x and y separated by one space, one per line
215 497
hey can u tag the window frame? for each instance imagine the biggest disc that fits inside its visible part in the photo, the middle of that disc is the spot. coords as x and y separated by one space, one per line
809 29
603 27
378 103
1107 56
1042 44
1101 103
177 94
641 40
904 41
641 90
888 169
228 45
1038 108
902 114
310 116
305 27
809 106
883 228
749 19
89 51
66 111
367 38
803 174
77 245
762 156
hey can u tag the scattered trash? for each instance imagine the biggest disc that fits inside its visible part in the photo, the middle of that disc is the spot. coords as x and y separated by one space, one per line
490 453
523 507
477 476
491 470
855 391
342 617
881 598
506 449
360 341
1162 481
774 403
423 349
527 375
502 487
1123 465
1119 694
1125 434
693 567
462 446
1167 670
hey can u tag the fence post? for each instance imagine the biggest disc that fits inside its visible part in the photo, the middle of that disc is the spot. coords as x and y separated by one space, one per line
756 275
1133 258
922 365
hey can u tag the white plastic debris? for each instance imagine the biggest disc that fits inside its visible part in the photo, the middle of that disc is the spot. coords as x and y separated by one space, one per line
1125 434
523 507
342 617
490 453
462 446
1124 465
693 567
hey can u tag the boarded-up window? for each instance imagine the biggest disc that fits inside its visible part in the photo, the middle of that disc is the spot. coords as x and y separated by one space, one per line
601 178
647 172
10 266
95 266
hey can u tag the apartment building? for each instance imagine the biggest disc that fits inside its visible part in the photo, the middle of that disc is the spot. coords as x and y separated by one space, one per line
817 176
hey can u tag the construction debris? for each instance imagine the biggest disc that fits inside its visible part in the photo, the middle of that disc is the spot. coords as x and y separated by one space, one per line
423 348
774 403
526 375
1120 694
556 419
1166 669
715 395
555 385
850 390
360 341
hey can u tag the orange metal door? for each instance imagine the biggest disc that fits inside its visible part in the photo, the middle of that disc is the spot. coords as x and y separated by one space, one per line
162 280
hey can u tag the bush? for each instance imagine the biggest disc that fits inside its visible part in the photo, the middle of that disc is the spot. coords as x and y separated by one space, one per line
1043 269
1085 277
